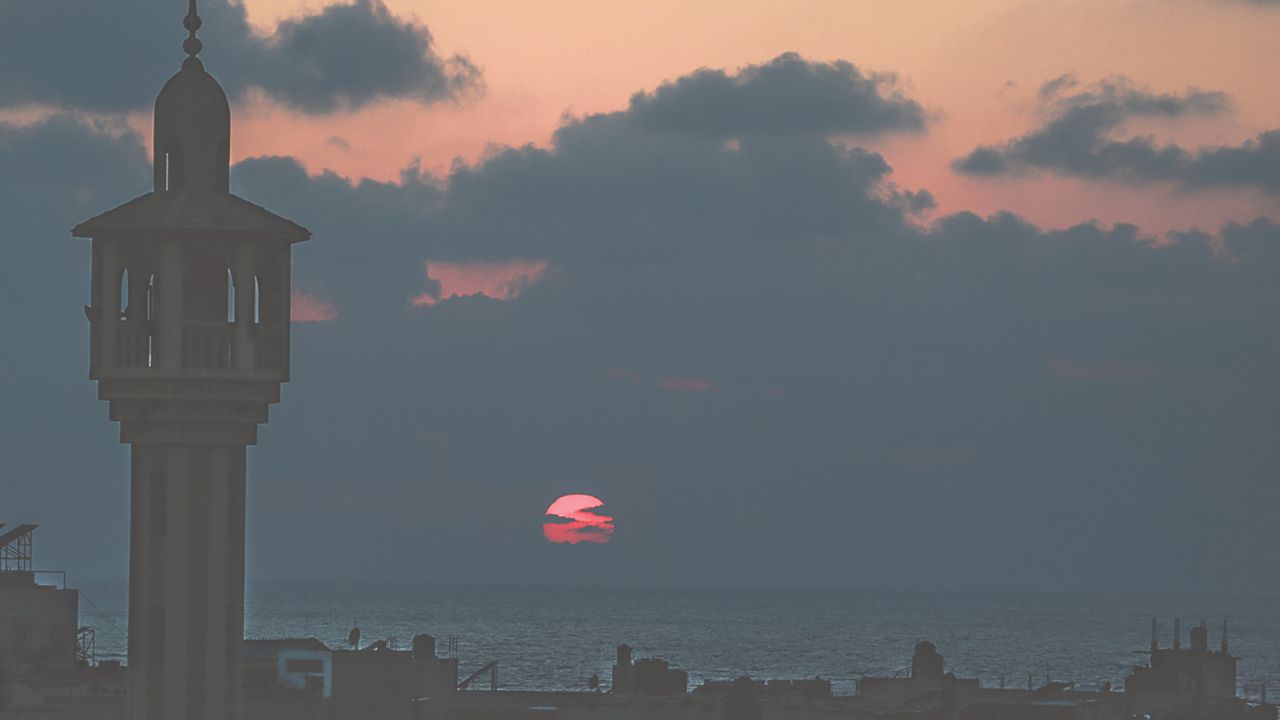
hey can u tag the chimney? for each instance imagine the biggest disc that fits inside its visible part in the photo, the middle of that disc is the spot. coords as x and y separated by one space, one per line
1200 637
1224 636
1155 643
1177 633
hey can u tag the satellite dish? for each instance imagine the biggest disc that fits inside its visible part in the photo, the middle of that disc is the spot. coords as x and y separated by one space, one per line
353 637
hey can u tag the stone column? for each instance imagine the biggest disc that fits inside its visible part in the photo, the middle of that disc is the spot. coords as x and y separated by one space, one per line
244 277
109 304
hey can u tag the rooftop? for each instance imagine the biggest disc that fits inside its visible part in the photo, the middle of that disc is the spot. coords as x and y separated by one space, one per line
216 212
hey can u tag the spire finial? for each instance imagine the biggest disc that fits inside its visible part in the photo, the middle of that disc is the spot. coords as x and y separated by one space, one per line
192 44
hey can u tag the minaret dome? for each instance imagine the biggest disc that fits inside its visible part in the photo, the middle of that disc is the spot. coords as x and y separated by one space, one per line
192 125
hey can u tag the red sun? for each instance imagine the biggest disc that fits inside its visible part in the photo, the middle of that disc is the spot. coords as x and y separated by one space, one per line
572 519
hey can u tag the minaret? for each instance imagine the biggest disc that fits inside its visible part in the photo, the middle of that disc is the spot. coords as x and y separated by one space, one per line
189 341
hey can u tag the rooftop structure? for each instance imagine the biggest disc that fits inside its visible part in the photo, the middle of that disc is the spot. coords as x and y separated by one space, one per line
15 548
647 676
38 626
1194 673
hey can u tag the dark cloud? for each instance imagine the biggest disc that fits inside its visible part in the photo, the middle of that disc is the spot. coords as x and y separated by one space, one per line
350 55
785 96
983 161
112 56
1254 164
1052 87
977 389
1075 140
1078 141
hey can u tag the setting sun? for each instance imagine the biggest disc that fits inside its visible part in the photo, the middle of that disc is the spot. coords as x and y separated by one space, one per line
572 519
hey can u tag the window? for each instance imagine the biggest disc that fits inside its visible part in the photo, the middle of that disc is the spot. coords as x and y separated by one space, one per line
304 666
231 296
257 301
124 294
151 297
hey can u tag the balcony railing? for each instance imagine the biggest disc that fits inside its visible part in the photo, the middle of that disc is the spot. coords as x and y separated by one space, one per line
208 346
211 348
133 344
271 349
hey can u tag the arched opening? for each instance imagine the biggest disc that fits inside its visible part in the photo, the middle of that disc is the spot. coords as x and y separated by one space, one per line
124 294
133 336
257 301
231 296
152 297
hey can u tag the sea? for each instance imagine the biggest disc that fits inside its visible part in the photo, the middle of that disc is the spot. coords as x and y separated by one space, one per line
556 638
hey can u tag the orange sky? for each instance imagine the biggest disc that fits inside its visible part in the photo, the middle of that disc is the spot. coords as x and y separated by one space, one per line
974 64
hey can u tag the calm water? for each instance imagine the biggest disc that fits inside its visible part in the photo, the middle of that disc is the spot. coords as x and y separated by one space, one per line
555 638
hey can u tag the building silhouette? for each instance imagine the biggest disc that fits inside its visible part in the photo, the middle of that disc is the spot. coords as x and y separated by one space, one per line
189 341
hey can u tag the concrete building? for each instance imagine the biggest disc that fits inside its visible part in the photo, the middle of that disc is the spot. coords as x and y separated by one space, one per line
816 688
646 677
189 341
38 622
381 682
1183 677
38 628
288 667
928 682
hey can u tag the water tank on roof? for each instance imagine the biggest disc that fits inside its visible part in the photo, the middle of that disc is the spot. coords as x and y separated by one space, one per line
424 647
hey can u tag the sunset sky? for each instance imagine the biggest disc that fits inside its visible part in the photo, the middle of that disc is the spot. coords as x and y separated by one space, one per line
968 281
975 66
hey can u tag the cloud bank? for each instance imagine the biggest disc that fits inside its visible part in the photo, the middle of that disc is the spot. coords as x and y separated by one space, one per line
785 96
108 56
1079 141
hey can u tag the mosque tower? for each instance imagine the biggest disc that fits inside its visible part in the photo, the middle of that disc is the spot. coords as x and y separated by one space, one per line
189 342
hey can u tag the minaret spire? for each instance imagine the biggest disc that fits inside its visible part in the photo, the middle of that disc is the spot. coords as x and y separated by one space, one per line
192 44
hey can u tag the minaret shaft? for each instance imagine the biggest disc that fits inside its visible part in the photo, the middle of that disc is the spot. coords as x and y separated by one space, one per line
186 594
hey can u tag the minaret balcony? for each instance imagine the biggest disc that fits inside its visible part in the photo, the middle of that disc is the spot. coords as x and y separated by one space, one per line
138 349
